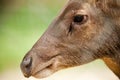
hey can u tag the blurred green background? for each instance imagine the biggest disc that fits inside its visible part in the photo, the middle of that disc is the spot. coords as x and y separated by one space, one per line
22 22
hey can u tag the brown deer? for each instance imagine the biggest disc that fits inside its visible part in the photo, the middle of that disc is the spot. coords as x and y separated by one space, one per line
84 31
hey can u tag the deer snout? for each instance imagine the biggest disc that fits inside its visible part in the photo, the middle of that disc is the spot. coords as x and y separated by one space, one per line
40 62
26 66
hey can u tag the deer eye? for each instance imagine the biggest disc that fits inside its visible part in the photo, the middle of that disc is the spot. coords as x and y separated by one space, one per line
79 19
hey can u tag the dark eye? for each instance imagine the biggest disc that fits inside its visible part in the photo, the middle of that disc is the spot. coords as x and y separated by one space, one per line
80 19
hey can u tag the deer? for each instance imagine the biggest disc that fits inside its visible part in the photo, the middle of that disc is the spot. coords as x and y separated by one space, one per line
84 31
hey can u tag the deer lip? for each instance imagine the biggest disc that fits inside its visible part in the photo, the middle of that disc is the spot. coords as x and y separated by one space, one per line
42 67
47 67
27 75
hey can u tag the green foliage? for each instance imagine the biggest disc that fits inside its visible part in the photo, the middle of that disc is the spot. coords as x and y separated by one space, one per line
21 28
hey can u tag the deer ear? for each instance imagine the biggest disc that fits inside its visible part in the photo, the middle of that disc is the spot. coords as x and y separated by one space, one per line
109 7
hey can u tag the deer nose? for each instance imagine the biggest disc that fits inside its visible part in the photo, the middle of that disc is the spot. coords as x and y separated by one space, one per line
26 66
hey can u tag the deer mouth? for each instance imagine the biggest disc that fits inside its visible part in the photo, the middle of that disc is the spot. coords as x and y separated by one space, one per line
44 70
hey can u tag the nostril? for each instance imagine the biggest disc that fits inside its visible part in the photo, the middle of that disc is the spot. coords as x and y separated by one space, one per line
26 66
27 62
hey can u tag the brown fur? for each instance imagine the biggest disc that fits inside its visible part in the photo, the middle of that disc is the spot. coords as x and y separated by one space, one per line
68 43
112 65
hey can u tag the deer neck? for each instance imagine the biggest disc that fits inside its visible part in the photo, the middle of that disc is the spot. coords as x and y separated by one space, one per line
113 64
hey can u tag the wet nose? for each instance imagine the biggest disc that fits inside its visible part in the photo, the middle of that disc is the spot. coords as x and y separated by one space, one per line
26 66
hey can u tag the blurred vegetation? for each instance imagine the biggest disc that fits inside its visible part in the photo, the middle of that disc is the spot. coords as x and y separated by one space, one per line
21 24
